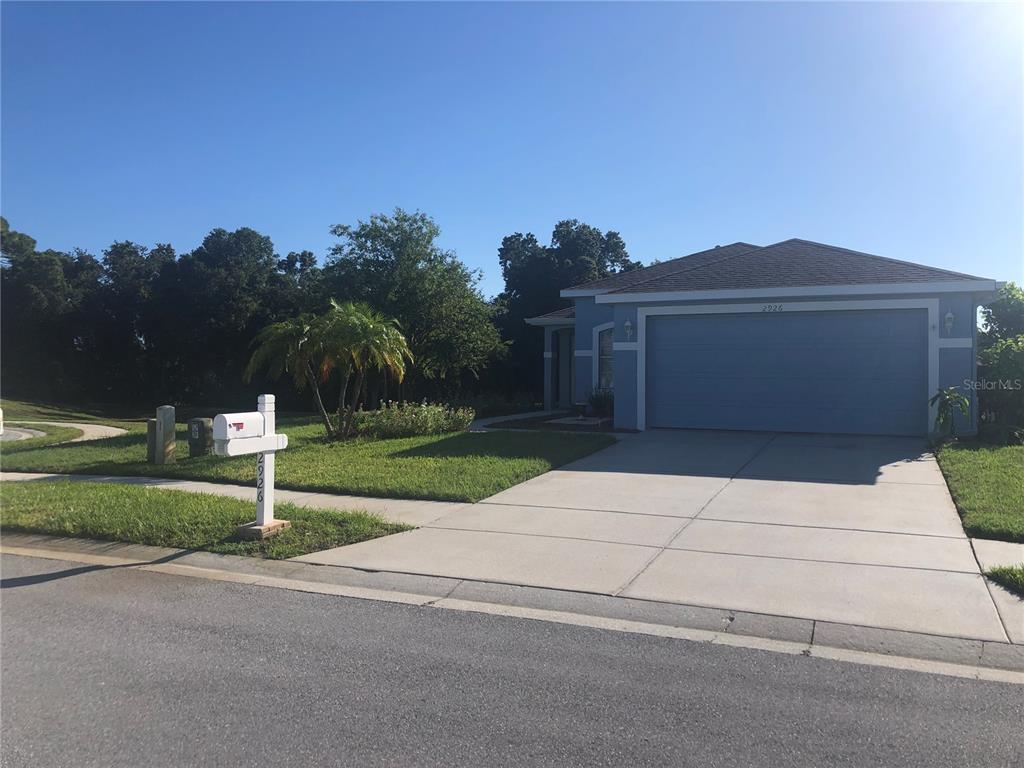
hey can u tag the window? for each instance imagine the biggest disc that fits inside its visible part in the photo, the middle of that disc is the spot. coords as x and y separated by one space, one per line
605 360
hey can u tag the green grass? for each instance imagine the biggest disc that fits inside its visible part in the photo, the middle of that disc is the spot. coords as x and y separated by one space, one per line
987 484
176 519
50 436
28 410
1009 576
466 466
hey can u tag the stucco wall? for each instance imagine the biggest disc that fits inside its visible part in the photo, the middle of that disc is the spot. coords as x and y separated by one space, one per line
955 363
588 315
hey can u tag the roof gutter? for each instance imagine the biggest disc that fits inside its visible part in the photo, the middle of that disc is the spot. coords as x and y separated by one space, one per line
563 321
870 289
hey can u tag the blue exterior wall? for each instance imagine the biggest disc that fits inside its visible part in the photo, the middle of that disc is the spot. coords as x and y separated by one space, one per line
625 366
588 315
956 364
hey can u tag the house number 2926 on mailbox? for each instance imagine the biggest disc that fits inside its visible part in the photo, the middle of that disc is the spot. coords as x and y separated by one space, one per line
239 434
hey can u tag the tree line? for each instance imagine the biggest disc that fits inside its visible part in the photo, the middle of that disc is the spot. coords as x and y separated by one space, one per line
142 324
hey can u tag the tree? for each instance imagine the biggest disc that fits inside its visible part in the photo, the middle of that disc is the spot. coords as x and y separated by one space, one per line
289 347
349 338
1003 317
354 338
393 263
205 309
45 342
534 276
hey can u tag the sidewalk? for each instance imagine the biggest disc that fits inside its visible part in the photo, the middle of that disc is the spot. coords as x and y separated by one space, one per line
407 511
89 431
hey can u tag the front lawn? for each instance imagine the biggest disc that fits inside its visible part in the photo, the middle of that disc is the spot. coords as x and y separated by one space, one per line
176 519
466 466
987 484
1009 576
111 415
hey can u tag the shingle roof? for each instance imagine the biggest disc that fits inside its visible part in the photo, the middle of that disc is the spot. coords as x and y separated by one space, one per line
790 263
567 312
663 269
552 318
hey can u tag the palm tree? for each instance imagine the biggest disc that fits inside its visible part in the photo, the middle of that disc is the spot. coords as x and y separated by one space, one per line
290 347
354 338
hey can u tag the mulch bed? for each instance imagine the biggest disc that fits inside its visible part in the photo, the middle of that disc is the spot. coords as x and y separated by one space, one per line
545 423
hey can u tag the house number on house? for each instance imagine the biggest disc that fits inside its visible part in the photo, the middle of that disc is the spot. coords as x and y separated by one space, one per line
771 308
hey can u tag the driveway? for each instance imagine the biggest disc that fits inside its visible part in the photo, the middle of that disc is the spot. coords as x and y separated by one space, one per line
850 529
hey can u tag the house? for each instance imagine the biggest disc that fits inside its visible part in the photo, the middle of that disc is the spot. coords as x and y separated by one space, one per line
797 336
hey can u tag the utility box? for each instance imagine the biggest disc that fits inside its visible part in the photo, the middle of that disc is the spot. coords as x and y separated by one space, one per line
200 437
165 437
151 441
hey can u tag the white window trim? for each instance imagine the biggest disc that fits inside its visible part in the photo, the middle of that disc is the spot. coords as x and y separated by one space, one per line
596 352
950 286
931 305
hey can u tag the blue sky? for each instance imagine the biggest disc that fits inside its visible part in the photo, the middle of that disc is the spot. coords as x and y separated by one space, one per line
894 129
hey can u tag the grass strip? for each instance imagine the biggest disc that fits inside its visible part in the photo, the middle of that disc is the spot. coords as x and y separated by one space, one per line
466 466
179 519
987 485
1009 576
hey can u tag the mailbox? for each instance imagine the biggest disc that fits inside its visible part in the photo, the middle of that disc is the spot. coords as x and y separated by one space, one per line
238 434
230 426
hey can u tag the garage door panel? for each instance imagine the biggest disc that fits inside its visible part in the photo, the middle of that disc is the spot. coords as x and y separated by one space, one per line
861 372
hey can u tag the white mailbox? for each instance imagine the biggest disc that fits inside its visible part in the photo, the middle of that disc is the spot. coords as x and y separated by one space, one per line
228 426
238 434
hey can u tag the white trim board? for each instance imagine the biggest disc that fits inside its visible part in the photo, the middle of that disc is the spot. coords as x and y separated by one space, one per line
931 305
823 291
596 351
625 346
966 343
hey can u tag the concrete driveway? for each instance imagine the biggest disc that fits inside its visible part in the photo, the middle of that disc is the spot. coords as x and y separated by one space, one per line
850 529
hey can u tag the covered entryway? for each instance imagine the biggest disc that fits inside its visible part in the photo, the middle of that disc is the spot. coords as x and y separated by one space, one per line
855 372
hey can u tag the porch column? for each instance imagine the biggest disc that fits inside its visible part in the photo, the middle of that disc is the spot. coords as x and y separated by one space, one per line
549 402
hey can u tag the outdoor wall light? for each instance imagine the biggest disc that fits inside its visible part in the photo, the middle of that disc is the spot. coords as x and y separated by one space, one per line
950 319
628 328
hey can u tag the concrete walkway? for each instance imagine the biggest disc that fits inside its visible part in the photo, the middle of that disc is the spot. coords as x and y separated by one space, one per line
89 431
12 434
408 511
857 530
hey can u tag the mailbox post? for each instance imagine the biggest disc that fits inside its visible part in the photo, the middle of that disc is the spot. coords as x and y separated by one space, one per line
239 434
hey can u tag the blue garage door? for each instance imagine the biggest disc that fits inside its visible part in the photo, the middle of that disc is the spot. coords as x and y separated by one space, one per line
841 372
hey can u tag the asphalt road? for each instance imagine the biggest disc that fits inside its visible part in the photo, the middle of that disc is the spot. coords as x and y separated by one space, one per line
117 667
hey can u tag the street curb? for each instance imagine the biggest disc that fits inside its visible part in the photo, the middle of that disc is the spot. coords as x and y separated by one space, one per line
960 657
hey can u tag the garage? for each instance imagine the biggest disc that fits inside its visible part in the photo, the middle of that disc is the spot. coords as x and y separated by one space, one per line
856 372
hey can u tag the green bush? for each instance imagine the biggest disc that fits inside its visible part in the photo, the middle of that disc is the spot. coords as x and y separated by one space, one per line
410 420
1001 390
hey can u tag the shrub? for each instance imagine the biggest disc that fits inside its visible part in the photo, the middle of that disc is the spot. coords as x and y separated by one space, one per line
411 419
602 402
1001 390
